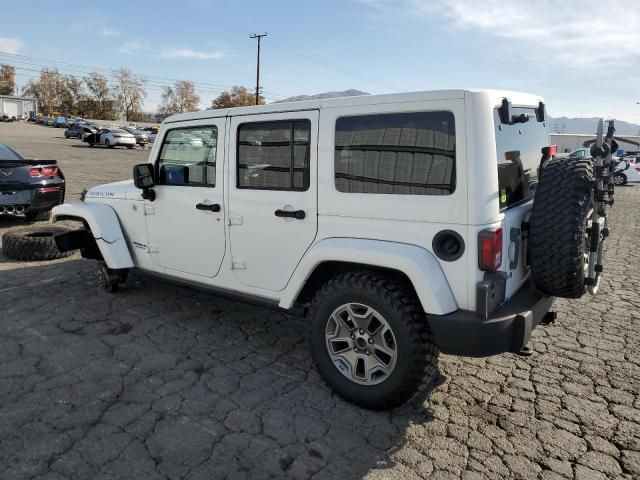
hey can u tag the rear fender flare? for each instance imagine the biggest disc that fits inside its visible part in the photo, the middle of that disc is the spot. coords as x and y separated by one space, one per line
105 229
418 264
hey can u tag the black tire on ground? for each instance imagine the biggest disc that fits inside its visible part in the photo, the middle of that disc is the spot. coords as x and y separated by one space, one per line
619 178
557 227
129 147
34 243
38 215
107 144
416 354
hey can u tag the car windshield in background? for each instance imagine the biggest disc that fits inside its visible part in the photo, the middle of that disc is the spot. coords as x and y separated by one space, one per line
519 150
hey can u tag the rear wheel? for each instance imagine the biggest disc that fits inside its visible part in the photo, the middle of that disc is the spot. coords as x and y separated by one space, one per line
107 143
38 215
619 178
370 339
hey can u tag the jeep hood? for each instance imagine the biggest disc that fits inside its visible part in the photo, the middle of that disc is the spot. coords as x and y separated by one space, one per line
124 190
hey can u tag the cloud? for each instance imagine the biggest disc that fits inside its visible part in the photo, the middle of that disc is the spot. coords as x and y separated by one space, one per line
109 32
134 47
190 54
10 45
574 33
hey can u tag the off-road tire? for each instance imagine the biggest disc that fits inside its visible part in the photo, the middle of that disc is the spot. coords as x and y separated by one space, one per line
417 354
33 243
557 226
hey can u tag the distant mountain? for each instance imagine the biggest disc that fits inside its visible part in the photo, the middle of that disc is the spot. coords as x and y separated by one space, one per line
588 126
322 96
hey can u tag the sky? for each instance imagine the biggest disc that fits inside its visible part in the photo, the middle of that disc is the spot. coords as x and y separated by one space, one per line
583 56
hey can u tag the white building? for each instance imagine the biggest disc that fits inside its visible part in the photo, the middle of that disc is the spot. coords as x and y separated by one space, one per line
569 141
18 106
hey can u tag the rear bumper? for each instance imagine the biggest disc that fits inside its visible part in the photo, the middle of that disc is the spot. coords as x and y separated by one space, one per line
506 330
39 198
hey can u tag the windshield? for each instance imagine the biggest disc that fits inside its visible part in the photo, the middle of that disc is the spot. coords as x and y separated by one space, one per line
519 150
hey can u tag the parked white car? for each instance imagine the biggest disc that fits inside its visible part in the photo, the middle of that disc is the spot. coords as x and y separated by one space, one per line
111 137
401 225
577 153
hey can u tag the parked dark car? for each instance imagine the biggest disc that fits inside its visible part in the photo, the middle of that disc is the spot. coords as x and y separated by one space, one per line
29 187
79 130
142 138
6 118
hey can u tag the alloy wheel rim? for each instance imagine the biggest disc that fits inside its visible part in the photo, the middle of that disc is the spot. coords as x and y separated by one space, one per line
361 344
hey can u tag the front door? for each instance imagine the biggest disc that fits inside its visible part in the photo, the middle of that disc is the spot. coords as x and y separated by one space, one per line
185 222
272 195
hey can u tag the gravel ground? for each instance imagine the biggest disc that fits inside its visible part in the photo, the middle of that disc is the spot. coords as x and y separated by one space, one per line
162 382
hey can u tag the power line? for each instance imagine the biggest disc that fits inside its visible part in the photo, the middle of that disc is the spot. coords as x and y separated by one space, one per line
330 63
202 87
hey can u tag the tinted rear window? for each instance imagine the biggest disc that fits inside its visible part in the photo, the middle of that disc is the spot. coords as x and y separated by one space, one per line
518 150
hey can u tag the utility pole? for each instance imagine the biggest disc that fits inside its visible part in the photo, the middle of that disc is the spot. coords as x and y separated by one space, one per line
258 36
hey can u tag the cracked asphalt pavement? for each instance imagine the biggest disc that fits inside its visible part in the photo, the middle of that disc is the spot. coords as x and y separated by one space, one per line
161 382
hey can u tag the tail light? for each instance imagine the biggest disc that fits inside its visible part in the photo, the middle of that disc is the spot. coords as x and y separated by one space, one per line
490 249
49 189
43 171
49 171
550 151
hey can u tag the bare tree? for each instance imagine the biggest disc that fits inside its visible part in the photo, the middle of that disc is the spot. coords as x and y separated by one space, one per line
7 80
179 98
129 91
47 90
237 97
72 94
99 96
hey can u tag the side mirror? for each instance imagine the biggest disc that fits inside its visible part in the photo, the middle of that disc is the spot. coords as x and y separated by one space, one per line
143 179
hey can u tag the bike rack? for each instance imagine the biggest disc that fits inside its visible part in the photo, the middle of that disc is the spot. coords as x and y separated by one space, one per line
601 152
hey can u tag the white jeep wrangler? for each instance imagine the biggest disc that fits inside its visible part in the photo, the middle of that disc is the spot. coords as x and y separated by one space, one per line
402 224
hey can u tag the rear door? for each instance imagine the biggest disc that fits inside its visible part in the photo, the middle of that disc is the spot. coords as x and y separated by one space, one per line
272 195
519 150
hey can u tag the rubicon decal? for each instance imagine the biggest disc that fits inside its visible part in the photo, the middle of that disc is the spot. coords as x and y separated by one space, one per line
100 194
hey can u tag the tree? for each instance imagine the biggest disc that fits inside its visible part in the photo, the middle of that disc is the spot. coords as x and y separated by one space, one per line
129 91
179 98
72 94
7 80
99 97
47 90
237 97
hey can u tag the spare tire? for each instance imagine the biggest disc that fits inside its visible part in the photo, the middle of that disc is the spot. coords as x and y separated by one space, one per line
36 243
558 246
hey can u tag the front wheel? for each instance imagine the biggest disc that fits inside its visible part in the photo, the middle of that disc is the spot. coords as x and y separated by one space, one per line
108 144
370 339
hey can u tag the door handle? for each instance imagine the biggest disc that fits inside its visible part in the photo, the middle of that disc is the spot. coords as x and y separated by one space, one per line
212 207
297 214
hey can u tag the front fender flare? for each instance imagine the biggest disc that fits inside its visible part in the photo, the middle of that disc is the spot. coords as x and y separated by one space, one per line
105 228
418 264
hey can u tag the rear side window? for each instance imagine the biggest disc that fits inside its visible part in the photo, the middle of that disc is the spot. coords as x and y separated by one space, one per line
188 157
397 153
274 155
519 150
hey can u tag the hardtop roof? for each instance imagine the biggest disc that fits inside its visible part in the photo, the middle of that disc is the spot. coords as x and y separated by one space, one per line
519 98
